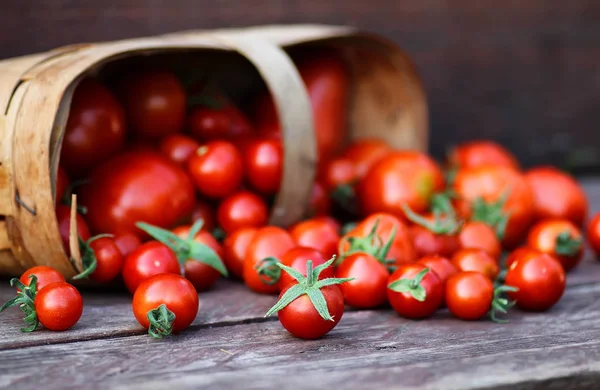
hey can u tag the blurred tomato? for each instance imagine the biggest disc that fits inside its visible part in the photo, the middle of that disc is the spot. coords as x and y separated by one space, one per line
242 210
263 162
476 153
216 169
179 148
364 153
226 122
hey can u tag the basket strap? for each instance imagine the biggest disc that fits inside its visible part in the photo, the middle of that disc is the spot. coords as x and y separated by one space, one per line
295 116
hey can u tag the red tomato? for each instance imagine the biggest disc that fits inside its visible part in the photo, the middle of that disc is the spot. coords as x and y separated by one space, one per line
269 241
95 129
178 148
173 291
317 233
559 238
477 153
137 186
403 177
368 290
58 306
490 183
296 258
155 103
540 280
442 267
319 203
302 320
593 234
127 243
149 259
469 295
109 259
45 275
226 122
518 253
204 211
216 169
62 184
427 243
479 235
235 247
364 153
417 298
477 260
557 195
263 162
242 210
63 216
338 172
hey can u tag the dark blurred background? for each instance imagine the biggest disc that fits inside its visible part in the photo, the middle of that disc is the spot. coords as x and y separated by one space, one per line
522 72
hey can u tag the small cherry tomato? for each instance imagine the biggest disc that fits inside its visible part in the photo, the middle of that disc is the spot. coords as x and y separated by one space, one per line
109 259
165 304
518 253
63 216
559 238
216 169
364 153
337 173
234 250
593 234
263 162
149 259
127 243
477 260
178 148
540 280
296 258
58 306
428 243
242 210
62 184
469 295
368 290
442 266
479 235
45 275
319 203
205 212
317 233
477 153
415 291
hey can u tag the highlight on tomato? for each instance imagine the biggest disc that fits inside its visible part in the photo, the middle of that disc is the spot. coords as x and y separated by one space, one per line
101 258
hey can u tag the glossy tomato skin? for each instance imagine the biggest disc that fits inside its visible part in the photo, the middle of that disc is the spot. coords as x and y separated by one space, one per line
400 177
62 183
540 279
263 162
58 306
542 237
479 235
137 186
557 195
109 259
149 259
302 320
337 172
234 250
226 122
242 210
173 291
216 169
490 182
476 153
427 243
204 211
63 216
178 148
319 203
155 103
593 234
364 153
127 243
369 288
518 253
469 295
317 233
296 258
45 275
404 303
95 130
477 260
269 241
442 266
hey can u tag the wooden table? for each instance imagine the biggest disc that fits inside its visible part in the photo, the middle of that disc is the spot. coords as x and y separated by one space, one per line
231 345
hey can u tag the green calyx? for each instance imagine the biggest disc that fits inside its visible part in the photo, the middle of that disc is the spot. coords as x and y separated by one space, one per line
25 301
411 286
161 322
492 214
370 244
567 245
442 224
88 256
268 270
308 285
501 304
188 248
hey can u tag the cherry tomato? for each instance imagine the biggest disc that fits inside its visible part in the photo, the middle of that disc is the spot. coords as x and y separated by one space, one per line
364 153
216 169
263 161
428 243
95 129
109 259
226 122
442 267
540 280
235 247
490 183
58 306
204 211
173 291
593 234
557 195
369 288
137 186
559 238
403 177
155 103
179 148
269 241
477 153
62 184
516 254
317 233
63 216
45 275
338 172
296 258
149 259
469 295
319 203
429 289
477 260
479 235
241 210
127 243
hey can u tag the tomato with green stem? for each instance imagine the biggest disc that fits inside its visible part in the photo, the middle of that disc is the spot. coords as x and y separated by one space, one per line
127 243
433 234
368 289
101 257
559 238
165 304
442 266
263 164
242 209
482 152
63 216
216 169
477 260
235 247
44 276
593 234
295 258
415 291
366 152
178 148
474 234
317 233
312 307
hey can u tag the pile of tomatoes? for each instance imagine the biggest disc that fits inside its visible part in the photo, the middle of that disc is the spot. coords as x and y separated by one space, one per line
174 185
